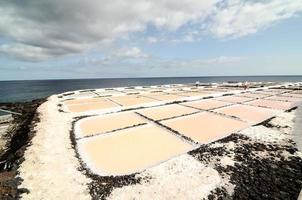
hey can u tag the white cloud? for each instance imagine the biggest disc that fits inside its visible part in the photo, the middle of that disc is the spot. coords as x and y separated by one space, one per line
152 40
73 26
129 53
239 18
39 30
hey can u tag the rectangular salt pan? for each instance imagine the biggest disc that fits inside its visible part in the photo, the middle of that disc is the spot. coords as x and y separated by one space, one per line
192 94
109 93
165 112
131 150
83 101
251 114
234 99
272 91
253 95
284 98
296 95
91 106
102 124
82 95
162 96
279 105
131 100
205 127
207 104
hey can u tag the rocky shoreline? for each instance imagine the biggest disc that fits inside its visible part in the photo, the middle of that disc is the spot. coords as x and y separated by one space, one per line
18 137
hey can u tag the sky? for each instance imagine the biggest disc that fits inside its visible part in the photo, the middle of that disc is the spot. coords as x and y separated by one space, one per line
66 39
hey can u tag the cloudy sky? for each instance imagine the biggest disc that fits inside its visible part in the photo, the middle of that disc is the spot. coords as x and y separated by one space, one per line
54 39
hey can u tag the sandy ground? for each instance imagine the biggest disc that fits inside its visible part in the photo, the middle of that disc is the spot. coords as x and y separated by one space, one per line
50 167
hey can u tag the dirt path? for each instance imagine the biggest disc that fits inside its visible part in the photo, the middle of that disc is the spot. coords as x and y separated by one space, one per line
50 167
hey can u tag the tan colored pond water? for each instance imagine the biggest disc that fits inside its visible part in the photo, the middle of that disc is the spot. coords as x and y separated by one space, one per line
205 127
131 150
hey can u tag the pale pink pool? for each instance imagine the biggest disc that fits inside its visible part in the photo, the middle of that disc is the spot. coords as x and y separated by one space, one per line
205 127
207 104
131 100
280 105
106 123
247 113
84 107
285 98
234 99
131 150
168 111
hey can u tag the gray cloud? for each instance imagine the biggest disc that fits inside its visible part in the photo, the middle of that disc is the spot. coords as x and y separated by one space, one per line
38 30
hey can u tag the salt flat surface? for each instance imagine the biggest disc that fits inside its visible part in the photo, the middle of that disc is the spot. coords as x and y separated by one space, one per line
297 92
131 100
109 93
234 99
291 94
253 95
284 98
192 94
162 96
247 113
165 112
207 104
82 95
83 101
130 150
101 124
91 106
280 105
205 127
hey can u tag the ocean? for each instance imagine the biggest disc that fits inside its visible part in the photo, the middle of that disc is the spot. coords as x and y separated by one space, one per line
27 90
